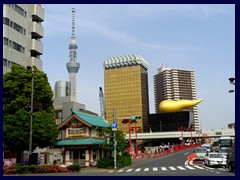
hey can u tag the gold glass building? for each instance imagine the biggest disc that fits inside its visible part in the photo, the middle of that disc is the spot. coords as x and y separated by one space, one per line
126 90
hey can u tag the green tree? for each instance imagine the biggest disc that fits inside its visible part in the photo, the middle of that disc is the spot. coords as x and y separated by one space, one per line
17 89
122 142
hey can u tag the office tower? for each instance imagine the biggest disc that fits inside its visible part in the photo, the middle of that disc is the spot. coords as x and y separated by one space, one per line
22 34
176 84
126 90
73 66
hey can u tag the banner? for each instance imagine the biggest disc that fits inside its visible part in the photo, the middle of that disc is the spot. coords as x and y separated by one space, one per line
74 132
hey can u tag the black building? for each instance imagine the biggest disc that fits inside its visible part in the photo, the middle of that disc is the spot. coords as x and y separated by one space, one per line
170 121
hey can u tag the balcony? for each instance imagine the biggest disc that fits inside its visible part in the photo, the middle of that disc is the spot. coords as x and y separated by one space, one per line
37 28
38 12
32 61
36 46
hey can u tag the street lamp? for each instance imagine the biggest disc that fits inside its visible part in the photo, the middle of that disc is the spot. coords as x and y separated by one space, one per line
30 68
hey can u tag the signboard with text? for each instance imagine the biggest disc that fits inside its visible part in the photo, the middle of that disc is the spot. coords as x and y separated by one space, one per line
75 132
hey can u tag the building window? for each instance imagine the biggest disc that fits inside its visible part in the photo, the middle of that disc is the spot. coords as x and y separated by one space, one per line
14 25
6 21
5 41
5 62
13 45
20 10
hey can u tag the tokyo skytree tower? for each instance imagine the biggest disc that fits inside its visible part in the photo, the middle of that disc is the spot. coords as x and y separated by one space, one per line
73 66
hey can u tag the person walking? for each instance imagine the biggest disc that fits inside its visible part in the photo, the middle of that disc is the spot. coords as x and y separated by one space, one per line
55 160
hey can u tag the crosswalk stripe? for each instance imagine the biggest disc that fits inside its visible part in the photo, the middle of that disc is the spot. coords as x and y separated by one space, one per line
181 168
190 167
121 170
172 168
166 168
146 169
129 170
138 169
163 168
199 167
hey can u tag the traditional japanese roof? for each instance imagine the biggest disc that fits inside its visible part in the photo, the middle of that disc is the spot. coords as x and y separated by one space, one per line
80 141
87 119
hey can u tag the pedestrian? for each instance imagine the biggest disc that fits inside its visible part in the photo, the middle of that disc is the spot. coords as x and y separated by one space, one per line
55 160
42 160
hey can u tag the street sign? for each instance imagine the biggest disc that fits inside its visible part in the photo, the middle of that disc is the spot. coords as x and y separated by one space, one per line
114 126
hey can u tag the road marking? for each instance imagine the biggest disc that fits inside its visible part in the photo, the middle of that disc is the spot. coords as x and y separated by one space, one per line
218 172
172 168
121 170
181 168
189 167
138 169
163 168
129 170
199 167
166 168
186 153
146 169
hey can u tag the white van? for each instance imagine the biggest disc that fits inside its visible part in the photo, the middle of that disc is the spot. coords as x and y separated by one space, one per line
200 153
208 146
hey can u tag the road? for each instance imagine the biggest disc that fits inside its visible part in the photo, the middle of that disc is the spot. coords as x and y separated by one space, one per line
171 165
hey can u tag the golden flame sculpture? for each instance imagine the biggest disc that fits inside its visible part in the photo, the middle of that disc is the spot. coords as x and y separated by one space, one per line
177 105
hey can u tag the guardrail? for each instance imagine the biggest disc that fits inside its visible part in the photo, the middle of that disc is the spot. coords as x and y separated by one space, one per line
174 149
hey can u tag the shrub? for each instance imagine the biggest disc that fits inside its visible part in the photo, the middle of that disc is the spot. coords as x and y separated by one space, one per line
124 160
74 167
35 169
105 163
22 169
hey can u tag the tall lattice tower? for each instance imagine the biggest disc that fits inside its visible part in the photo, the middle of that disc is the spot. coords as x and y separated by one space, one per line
73 66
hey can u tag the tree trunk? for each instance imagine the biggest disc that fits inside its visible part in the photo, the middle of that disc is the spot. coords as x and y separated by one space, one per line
19 157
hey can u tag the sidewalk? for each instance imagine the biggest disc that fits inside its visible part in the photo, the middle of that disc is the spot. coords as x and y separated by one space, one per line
93 169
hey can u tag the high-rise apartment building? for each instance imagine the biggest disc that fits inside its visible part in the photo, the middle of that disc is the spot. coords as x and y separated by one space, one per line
22 34
126 90
176 84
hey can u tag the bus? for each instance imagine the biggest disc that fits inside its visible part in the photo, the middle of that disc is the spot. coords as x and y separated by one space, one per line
225 141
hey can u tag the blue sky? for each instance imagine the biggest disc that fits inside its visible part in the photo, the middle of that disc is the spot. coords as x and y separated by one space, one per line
193 37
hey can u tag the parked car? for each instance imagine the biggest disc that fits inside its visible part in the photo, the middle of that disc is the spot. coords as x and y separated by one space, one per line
214 159
231 160
200 153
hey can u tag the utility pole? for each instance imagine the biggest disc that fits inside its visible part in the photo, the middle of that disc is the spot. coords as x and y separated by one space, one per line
114 128
30 68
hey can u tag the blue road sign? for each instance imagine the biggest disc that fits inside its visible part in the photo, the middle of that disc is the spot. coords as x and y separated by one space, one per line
114 125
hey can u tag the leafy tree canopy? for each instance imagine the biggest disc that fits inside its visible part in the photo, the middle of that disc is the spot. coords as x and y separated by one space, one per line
17 87
122 142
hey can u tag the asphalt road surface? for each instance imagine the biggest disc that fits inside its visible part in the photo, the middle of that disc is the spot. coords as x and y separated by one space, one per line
170 165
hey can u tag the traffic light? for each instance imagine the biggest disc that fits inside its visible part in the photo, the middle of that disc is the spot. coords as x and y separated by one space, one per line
135 117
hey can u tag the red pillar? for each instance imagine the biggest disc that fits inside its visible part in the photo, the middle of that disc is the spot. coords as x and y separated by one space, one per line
136 147
130 141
